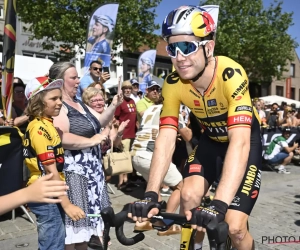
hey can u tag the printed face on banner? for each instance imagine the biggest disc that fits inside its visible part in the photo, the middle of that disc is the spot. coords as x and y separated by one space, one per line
100 35
145 68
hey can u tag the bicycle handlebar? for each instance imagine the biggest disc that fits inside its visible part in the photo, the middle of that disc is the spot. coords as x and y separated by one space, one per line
217 233
111 219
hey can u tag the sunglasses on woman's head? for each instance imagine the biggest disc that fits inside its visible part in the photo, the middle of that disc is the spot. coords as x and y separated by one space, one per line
185 48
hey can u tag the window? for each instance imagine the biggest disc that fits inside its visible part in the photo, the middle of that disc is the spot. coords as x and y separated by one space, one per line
279 90
131 73
292 96
162 72
292 70
1 12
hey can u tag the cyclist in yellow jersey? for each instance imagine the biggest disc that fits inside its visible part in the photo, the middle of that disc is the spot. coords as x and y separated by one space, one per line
216 91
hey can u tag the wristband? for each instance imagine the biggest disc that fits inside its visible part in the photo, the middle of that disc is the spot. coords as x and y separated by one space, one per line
152 196
119 136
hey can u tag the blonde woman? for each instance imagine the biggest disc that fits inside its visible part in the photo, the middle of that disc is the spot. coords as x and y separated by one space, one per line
93 97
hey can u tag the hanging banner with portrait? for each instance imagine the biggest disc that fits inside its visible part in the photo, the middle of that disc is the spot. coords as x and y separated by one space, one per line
145 68
100 35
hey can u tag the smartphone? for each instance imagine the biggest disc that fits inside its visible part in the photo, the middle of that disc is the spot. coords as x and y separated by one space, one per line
105 69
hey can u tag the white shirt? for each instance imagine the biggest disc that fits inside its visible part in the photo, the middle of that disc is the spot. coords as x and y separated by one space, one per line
136 98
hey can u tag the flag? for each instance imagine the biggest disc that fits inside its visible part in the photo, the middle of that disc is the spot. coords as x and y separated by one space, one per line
146 64
100 34
8 55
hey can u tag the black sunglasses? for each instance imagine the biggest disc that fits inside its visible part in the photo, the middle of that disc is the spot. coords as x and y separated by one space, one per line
95 68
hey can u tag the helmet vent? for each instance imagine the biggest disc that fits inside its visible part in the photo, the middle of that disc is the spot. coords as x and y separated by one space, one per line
180 15
170 18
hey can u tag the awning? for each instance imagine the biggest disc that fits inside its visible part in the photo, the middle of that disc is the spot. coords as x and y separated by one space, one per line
27 67
279 99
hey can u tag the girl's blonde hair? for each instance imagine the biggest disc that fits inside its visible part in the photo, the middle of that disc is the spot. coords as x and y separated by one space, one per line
36 106
89 93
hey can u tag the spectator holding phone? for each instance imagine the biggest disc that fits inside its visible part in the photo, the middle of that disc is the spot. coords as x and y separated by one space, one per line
96 74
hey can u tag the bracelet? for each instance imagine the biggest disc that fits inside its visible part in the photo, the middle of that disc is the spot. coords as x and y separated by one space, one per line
119 136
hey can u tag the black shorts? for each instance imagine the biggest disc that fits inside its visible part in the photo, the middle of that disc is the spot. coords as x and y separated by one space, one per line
206 160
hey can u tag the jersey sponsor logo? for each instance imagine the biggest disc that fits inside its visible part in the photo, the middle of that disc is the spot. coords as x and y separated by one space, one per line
172 78
45 133
213 111
213 124
213 89
192 155
218 130
249 180
241 89
59 151
195 168
243 108
46 156
239 119
212 102
60 159
197 103
236 201
222 107
229 73
187 13
254 194
195 94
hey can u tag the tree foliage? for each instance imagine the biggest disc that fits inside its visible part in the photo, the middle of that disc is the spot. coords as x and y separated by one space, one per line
66 21
255 37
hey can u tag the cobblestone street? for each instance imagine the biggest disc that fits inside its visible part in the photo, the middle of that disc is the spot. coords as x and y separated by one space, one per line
276 214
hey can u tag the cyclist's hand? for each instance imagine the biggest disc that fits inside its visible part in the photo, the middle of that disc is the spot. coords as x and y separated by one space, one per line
201 216
143 209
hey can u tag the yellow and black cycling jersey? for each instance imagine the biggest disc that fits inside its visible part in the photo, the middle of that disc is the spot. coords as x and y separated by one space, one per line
224 105
42 146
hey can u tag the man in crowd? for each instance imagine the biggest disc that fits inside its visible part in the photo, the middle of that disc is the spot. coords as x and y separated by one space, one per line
135 89
95 75
152 96
126 111
279 152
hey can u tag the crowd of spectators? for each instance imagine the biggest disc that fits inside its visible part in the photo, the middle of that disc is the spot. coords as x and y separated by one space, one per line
277 115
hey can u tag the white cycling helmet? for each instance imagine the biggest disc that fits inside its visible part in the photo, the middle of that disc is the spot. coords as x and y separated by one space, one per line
189 20
105 21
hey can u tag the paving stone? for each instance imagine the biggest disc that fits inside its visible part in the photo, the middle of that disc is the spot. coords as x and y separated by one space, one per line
277 213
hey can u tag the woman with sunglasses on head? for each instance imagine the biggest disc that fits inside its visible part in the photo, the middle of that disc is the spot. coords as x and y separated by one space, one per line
216 90
44 155
79 127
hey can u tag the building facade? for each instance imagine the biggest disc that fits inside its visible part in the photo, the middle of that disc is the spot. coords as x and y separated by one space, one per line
288 88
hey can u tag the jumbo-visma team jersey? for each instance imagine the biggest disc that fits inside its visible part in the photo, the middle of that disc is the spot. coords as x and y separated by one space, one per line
225 104
42 146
